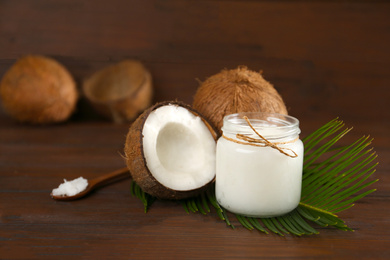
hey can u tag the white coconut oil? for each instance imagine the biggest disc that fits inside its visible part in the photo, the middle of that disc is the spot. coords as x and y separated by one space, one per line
71 188
259 175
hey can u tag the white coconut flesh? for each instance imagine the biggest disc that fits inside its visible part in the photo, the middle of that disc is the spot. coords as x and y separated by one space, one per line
178 148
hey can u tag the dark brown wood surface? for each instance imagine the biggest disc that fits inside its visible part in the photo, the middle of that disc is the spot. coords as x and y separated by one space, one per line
326 58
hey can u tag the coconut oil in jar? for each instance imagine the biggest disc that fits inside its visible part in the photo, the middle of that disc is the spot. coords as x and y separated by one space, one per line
259 164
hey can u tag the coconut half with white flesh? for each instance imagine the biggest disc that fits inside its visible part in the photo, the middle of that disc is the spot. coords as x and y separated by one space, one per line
170 151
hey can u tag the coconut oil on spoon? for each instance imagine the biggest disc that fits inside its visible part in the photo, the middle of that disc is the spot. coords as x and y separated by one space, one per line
78 188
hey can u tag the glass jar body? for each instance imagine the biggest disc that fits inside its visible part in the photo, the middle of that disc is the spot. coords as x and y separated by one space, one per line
259 181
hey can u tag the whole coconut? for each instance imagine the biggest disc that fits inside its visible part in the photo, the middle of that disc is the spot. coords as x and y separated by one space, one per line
38 90
234 91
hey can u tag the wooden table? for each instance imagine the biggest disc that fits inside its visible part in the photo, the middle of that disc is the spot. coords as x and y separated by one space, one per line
326 59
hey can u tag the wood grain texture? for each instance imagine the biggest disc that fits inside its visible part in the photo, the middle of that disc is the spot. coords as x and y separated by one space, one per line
326 59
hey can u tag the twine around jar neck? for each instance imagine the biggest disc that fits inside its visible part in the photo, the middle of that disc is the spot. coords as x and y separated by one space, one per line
262 142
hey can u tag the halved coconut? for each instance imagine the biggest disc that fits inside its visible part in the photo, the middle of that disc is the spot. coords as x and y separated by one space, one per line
120 91
170 151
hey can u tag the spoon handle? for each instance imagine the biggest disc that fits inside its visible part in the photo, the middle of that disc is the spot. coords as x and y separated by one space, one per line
117 175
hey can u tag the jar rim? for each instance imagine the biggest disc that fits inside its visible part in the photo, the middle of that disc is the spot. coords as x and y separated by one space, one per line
280 124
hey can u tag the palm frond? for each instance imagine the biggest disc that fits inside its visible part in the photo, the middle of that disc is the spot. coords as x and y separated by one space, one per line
333 179
147 200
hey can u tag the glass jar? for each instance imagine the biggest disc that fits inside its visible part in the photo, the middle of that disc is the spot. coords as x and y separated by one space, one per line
259 174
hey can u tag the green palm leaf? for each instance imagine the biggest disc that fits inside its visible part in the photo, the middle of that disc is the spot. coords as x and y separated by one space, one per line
334 177
146 199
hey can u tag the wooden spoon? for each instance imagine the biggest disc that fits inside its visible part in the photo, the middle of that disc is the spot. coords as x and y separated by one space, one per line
109 178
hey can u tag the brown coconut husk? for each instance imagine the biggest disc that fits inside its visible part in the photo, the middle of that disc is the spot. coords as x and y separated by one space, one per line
135 158
38 90
234 91
121 91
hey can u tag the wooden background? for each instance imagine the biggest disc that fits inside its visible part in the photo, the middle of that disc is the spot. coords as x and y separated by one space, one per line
326 58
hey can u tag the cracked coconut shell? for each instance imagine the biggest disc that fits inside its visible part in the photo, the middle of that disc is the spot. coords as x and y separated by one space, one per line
234 91
38 90
120 92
